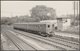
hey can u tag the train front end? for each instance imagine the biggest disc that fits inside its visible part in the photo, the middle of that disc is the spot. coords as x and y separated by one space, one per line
49 29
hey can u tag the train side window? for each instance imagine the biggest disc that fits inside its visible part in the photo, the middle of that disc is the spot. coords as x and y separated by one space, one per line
66 21
48 26
56 28
53 25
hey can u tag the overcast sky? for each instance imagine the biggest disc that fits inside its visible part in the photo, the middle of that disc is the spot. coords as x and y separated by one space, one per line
17 8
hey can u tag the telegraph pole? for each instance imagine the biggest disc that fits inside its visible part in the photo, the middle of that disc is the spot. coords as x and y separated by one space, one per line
74 8
77 8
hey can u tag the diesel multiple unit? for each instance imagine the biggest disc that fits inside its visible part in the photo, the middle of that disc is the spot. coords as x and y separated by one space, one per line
44 29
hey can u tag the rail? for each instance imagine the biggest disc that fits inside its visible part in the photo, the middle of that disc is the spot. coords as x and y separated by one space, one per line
49 42
17 44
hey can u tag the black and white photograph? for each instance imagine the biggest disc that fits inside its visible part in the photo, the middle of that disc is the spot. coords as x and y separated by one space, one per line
40 25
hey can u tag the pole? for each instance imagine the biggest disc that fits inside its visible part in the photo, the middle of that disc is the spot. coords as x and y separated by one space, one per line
74 8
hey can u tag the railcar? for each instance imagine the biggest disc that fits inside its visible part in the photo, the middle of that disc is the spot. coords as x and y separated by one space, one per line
44 29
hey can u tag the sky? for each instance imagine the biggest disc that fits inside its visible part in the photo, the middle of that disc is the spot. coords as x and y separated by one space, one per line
18 8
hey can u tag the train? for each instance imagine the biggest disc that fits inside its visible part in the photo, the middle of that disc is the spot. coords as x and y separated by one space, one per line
39 28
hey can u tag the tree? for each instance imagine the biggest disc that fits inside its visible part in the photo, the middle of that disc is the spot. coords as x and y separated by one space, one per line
26 18
5 20
42 12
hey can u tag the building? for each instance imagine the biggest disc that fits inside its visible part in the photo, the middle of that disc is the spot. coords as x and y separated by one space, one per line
61 23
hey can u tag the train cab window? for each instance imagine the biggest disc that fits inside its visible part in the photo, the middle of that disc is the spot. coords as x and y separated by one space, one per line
66 21
48 26
53 25
56 28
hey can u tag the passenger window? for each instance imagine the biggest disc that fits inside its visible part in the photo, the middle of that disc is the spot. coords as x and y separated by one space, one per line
66 21
53 25
56 28
48 26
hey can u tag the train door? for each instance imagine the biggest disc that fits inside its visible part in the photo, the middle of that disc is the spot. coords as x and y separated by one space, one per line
49 28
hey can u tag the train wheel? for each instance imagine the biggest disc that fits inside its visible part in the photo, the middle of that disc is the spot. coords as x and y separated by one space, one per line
50 35
43 34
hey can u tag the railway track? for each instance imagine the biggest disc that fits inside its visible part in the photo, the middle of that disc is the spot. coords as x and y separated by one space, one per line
64 44
20 44
60 48
64 39
71 39
9 41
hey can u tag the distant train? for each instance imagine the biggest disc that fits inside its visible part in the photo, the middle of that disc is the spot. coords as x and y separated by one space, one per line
43 29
